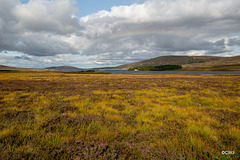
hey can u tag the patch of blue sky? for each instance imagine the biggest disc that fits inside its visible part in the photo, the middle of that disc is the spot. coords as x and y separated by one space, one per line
93 6
24 1
87 7
12 53
235 35
236 50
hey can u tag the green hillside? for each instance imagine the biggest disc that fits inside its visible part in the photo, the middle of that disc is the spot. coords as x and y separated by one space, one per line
210 63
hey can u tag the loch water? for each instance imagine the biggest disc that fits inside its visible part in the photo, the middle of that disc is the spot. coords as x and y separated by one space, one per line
170 72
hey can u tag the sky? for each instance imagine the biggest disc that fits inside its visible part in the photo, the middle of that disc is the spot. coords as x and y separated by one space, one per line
93 33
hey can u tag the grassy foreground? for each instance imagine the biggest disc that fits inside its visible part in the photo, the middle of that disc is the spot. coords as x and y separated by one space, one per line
104 116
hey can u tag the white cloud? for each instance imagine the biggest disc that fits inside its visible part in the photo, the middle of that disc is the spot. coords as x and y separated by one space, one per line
193 25
50 16
39 27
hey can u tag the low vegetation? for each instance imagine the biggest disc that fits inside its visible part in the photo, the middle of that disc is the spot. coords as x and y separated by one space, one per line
191 63
5 70
156 68
86 72
110 116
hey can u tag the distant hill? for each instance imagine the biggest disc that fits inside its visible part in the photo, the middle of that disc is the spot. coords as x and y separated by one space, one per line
8 68
210 63
2 67
188 63
64 68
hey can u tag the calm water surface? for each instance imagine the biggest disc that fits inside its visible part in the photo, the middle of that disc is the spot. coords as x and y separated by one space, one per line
170 72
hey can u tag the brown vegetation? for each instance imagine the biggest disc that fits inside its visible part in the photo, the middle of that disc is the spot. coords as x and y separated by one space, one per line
192 63
105 116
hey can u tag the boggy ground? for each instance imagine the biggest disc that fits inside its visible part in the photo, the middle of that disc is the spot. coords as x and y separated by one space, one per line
110 116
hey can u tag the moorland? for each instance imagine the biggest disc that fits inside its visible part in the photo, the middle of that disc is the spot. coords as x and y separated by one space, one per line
189 63
50 115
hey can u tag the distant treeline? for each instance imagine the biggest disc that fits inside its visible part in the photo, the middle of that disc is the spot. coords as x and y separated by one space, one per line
156 68
5 70
88 71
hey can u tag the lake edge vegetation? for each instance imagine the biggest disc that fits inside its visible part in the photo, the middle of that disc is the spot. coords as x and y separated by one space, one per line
156 68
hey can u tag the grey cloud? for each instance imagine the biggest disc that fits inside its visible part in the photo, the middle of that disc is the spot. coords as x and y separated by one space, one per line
5 7
48 16
234 41
22 58
150 42
38 27
202 21
220 42
49 28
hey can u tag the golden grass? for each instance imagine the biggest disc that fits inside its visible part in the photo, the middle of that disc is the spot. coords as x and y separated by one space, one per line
47 115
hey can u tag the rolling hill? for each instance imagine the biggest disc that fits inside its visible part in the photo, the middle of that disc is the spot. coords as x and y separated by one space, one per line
191 63
64 68
2 67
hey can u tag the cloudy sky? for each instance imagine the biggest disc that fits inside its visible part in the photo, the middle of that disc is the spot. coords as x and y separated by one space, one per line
94 33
